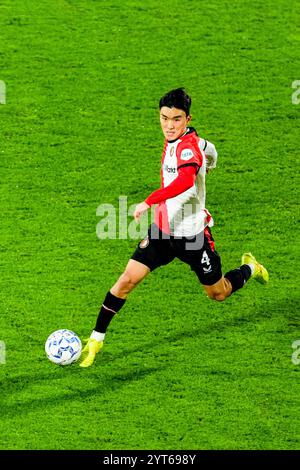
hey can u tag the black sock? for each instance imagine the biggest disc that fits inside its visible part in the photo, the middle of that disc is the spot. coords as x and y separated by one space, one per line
238 277
110 307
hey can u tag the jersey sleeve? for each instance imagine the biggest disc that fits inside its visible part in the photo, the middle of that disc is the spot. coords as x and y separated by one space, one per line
188 155
185 180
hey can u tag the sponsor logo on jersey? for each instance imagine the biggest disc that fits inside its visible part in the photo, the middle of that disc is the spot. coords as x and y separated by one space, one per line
186 154
169 169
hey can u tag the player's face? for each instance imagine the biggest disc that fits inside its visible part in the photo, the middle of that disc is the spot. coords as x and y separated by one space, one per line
173 122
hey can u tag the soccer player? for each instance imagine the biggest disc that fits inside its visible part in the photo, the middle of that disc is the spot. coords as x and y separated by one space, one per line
182 224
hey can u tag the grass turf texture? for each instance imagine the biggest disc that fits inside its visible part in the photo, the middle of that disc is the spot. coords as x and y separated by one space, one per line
80 127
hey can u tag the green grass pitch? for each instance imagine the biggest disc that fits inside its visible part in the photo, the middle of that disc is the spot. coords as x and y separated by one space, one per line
79 128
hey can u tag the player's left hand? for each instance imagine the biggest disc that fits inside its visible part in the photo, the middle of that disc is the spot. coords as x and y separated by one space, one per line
139 210
211 162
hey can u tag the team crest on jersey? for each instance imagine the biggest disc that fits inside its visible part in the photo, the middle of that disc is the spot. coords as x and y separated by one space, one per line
186 154
144 243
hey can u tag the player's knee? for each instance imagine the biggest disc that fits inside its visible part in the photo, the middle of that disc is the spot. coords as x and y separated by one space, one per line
127 281
219 296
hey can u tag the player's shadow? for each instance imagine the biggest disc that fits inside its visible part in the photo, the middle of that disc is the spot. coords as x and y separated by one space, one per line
288 310
107 383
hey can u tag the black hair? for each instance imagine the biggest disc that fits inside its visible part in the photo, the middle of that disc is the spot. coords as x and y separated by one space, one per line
177 99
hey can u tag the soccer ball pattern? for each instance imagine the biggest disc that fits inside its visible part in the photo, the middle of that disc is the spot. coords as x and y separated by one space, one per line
63 347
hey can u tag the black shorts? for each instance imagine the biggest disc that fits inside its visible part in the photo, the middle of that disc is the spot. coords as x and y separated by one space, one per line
158 249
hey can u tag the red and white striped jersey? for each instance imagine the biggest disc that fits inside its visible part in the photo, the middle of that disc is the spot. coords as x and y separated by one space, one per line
185 214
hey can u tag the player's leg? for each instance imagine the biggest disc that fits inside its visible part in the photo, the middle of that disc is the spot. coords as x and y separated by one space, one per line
153 251
206 262
115 298
199 253
220 290
229 283
236 279
134 273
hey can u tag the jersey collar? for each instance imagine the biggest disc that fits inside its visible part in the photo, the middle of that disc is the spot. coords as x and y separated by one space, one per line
189 130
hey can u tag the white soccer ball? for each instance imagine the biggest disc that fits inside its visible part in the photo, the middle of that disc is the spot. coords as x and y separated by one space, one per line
63 347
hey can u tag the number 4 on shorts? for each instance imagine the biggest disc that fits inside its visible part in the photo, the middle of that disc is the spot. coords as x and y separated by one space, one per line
205 259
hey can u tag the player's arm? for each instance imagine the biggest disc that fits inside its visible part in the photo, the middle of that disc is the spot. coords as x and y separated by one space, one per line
211 153
184 181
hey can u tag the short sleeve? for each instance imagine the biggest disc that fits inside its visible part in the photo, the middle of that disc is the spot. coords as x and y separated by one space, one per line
188 154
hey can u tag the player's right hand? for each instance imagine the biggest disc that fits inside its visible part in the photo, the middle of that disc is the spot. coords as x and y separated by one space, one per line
139 210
